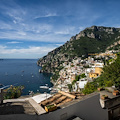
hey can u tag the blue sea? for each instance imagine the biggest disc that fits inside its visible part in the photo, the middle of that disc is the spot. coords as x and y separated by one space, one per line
24 72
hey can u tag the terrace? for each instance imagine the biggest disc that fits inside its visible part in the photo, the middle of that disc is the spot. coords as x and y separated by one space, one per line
60 99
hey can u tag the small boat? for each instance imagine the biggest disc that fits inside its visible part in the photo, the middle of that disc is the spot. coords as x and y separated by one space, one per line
22 75
32 76
44 87
50 88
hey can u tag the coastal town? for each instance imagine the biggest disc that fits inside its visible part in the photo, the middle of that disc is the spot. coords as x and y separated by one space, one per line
86 69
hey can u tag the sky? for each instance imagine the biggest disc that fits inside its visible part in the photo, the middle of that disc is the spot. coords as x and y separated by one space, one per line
32 28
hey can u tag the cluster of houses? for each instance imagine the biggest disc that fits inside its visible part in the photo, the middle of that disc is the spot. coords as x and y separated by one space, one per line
91 67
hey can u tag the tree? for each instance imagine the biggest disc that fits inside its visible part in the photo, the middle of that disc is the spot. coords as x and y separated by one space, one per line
13 92
83 75
111 74
90 87
109 77
70 87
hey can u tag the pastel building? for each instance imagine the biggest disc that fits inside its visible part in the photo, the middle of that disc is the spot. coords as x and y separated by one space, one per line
97 70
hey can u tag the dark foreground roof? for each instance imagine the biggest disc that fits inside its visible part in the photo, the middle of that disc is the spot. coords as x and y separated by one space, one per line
21 107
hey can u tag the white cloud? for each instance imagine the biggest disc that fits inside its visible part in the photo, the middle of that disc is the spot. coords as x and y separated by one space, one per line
4 26
30 51
66 30
58 44
62 32
14 42
14 21
2 47
22 25
81 28
33 36
46 15
21 33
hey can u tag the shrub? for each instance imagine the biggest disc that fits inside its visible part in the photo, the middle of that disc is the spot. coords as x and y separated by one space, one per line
70 87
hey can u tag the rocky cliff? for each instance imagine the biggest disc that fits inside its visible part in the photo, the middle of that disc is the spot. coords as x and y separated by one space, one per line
94 39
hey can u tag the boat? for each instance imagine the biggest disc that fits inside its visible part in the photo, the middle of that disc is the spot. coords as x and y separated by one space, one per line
37 90
50 88
44 87
32 76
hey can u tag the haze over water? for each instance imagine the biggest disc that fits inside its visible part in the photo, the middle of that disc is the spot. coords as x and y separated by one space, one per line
23 72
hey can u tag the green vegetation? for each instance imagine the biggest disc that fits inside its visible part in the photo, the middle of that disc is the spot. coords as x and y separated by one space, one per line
86 45
109 77
60 68
74 81
111 74
70 87
50 106
55 76
86 66
13 92
115 47
90 87
111 60
78 77
72 65
82 75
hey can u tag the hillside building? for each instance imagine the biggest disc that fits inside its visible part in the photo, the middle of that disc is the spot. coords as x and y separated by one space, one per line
97 70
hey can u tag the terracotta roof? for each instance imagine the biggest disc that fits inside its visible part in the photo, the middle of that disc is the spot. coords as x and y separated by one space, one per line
60 99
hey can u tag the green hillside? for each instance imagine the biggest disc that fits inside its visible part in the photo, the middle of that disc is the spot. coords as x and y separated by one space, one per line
109 77
94 39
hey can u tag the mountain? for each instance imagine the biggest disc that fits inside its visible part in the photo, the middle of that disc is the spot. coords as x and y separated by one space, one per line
94 39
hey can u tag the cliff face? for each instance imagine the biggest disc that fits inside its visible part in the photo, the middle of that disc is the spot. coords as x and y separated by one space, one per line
94 39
